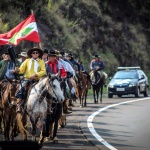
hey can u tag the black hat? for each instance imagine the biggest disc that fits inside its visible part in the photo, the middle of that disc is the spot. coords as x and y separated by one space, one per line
69 55
96 56
29 53
52 53
6 52
45 51
62 53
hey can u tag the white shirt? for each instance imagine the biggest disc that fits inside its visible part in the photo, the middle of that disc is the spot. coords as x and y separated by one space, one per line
67 66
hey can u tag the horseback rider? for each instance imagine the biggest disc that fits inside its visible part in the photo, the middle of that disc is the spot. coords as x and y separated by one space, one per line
70 74
55 67
76 67
6 67
82 68
32 69
97 66
64 58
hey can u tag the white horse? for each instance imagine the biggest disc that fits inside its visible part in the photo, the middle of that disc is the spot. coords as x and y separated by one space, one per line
37 102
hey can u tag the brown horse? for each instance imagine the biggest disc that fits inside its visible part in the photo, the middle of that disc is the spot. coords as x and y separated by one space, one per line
3 85
98 87
82 88
8 104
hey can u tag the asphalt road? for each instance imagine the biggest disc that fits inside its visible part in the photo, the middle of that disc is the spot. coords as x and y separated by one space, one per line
124 127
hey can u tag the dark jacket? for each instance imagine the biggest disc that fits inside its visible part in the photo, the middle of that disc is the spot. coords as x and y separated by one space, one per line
3 67
76 66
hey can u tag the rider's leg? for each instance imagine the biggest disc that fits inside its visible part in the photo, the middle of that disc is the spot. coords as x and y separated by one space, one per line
66 108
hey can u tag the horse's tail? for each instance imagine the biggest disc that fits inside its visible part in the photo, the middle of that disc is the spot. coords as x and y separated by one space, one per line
21 126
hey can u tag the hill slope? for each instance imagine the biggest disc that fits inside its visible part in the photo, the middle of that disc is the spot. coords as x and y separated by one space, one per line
117 30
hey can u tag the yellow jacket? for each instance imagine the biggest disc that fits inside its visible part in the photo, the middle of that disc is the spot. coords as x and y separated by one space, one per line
24 69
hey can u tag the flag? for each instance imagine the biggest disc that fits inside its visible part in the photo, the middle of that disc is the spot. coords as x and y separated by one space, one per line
26 30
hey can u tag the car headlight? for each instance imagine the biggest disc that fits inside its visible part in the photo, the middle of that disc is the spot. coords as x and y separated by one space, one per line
132 84
110 85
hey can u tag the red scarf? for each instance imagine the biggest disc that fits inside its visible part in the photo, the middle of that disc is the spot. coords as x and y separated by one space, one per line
53 66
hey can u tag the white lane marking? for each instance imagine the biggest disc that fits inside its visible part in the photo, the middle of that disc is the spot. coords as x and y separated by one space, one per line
91 117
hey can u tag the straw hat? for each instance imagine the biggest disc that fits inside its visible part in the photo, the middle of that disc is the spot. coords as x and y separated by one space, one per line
23 54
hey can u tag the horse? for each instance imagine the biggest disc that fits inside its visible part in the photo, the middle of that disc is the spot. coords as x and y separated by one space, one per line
36 105
8 103
52 120
98 87
82 89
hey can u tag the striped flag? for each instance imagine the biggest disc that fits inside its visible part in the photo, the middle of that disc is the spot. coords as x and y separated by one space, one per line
26 30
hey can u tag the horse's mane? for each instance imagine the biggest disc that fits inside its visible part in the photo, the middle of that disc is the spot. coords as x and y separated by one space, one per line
43 77
53 77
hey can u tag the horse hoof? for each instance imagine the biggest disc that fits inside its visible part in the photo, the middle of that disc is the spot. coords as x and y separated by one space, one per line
47 139
40 144
55 140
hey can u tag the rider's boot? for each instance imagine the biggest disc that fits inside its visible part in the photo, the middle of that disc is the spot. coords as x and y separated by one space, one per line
65 108
18 108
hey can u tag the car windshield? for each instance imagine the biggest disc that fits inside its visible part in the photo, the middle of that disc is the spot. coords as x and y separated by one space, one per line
126 75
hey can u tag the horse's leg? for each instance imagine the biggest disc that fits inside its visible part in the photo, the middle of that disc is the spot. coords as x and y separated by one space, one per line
97 95
33 122
0 121
47 126
43 134
85 97
7 128
51 130
101 92
94 95
56 119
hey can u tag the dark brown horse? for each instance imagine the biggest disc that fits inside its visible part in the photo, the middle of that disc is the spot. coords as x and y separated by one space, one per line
8 104
98 88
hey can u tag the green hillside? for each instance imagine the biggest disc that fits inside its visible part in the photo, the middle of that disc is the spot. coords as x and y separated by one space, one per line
118 30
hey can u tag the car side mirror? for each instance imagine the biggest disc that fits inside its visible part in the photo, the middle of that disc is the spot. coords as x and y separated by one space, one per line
142 77
110 78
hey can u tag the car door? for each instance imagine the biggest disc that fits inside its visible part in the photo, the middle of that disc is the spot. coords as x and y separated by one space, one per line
142 81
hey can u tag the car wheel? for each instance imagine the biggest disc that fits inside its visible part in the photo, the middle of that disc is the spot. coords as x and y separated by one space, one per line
119 95
146 92
110 95
137 94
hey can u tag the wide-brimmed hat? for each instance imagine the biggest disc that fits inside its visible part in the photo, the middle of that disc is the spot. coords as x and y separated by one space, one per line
51 53
45 51
23 54
79 61
96 56
58 53
69 55
6 52
29 53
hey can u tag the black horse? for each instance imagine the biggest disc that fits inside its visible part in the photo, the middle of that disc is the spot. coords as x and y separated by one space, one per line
52 121
98 87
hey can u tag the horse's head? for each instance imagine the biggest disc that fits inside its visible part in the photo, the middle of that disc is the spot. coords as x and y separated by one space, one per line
13 88
56 88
